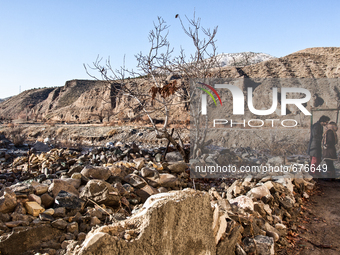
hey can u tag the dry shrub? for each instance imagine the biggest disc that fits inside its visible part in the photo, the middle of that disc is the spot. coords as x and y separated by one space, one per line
175 126
285 149
18 140
112 123
145 118
112 132
121 115
60 130
40 139
10 125
51 123
120 122
16 137
65 143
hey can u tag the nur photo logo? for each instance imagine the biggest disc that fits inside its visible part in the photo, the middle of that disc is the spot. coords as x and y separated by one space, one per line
204 97
238 99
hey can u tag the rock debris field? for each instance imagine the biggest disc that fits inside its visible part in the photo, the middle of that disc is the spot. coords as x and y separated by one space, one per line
130 199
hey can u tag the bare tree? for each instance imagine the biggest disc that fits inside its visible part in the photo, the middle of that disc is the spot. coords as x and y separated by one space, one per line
153 93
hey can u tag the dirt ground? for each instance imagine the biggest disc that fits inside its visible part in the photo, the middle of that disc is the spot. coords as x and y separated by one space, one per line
318 230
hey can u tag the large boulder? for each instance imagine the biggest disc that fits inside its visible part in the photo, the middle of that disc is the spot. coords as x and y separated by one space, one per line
168 180
149 172
140 163
169 223
75 182
33 208
100 192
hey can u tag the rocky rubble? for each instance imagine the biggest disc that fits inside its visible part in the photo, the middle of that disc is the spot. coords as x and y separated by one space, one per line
255 221
123 198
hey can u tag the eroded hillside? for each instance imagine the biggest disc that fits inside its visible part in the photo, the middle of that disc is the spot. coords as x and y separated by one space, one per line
93 101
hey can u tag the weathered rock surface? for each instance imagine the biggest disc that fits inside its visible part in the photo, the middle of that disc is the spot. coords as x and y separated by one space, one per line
167 180
46 200
158 218
30 238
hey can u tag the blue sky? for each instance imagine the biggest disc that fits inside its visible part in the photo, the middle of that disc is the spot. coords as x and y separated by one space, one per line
45 43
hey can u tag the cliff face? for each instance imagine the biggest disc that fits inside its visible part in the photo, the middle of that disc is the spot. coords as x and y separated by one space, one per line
93 101
74 101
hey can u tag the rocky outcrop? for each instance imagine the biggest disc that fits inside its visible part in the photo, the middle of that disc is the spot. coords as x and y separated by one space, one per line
168 223
77 100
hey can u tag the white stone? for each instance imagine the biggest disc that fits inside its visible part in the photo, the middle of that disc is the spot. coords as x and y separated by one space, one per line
305 195
243 202
259 192
286 182
269 184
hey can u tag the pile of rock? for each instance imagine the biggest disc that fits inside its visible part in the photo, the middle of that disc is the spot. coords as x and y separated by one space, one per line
254 219
71 193
265 209
65 194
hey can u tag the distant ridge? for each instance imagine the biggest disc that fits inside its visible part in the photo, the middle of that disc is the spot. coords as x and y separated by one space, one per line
89 100
4 99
